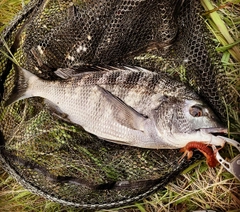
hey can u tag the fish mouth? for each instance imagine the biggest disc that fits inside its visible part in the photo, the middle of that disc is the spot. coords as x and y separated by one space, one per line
214 130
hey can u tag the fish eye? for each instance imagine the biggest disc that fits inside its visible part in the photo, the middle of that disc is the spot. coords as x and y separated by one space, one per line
196 111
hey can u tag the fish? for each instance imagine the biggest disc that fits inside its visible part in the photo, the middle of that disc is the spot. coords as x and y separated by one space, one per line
126 105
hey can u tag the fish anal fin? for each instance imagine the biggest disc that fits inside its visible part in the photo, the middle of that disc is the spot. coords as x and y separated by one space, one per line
56 111
121 112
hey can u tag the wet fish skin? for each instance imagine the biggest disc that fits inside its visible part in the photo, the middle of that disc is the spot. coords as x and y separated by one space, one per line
125 105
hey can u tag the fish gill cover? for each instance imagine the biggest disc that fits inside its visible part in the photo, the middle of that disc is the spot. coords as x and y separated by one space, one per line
60 161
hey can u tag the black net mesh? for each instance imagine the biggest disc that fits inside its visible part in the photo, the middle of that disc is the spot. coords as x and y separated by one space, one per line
62 162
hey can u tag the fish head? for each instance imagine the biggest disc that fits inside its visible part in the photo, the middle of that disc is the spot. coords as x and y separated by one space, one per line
199 115
179 121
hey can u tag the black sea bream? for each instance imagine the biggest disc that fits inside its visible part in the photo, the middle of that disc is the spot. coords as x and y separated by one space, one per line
126 105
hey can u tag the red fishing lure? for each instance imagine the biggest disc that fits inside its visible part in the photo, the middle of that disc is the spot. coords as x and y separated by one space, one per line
205 149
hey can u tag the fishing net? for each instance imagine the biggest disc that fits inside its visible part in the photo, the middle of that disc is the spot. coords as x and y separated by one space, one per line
62 162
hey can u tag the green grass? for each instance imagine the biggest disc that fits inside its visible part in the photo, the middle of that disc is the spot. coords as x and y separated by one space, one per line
198 187
9 8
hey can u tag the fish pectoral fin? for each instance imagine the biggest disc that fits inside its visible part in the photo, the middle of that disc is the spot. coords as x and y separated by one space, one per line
121 112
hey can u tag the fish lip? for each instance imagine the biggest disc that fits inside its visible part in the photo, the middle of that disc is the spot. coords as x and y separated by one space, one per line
214 130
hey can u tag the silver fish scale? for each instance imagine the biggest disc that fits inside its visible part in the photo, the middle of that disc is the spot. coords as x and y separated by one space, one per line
141 90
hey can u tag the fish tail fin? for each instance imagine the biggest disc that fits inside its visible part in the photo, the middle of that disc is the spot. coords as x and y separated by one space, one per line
21 85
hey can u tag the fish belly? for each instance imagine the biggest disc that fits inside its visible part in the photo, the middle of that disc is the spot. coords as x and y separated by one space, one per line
85 106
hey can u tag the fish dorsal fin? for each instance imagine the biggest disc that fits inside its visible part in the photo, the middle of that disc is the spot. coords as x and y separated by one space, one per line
66 73
136 69
123 113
